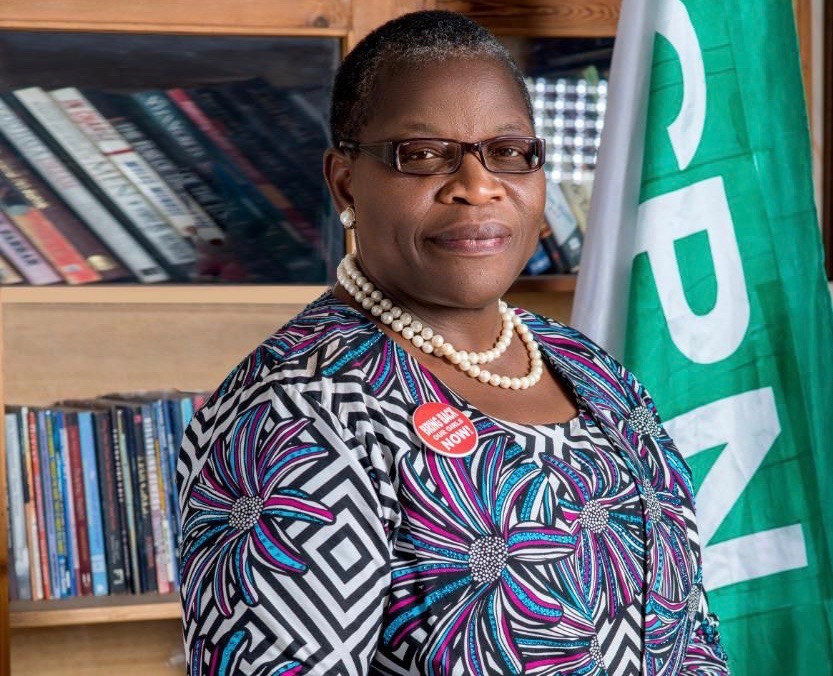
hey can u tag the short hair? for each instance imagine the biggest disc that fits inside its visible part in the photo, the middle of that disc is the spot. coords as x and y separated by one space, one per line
414 39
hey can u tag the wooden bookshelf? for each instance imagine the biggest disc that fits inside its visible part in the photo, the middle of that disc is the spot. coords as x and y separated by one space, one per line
131 294
62 342
93 610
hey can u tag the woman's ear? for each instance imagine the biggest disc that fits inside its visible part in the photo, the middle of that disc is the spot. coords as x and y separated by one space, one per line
338 172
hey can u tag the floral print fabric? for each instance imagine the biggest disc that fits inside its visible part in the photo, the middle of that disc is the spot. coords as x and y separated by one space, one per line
320 536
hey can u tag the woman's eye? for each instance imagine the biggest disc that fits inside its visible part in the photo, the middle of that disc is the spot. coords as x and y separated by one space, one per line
421 154
507 151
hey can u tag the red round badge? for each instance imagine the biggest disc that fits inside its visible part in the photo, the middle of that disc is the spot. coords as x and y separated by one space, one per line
444 429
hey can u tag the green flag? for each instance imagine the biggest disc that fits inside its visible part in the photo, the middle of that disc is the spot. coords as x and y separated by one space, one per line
729 321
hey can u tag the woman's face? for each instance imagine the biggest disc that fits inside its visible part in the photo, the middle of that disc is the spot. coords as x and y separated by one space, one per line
444 241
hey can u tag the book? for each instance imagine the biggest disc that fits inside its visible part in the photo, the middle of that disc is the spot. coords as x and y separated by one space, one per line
550 245
170 516
81 536
155 497
17 509
564 226
171 249
189 187
59 555
92 503
539 263
16 201
297 128
578 194
40 510
76 233
76 195
20 251
113 146
296 138
122 428
235 134
256 231
62 449
112 500
8 275
31 506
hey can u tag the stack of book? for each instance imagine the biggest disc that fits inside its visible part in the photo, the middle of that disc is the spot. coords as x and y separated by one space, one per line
569 114
93 508
212 183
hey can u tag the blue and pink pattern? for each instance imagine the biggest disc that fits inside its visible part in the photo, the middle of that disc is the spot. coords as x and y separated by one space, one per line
320 536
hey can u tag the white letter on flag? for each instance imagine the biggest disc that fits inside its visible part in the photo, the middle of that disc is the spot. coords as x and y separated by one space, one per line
748 425
662 220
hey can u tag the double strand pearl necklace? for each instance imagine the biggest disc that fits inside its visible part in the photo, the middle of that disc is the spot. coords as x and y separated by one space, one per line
423 337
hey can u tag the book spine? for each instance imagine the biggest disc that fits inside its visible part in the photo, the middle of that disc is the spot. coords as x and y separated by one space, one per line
219 135
252 153
53 588
564 226
154 229
37 484
92 503
62 573
251 222
76 233
144 522
15 194
112 498
113 146
17 510
126 474
155 498
78 197
8 274
31 506
550 245
175 432
27 259
181 179
79 504
578 196
539 263
167 489
63 449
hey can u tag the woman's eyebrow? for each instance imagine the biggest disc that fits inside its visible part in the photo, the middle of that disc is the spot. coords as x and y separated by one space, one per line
421 128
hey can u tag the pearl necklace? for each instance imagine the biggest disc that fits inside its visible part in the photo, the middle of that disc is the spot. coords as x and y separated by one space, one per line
423 337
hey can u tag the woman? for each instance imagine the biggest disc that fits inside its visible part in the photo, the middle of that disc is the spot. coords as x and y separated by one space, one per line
410 477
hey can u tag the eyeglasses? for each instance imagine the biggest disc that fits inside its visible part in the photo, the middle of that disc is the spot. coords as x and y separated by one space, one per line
429 156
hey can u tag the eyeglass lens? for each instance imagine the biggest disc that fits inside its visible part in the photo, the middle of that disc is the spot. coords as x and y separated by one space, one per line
432 156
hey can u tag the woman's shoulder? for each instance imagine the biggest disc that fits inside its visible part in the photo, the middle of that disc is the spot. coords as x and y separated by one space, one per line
301 351
588 365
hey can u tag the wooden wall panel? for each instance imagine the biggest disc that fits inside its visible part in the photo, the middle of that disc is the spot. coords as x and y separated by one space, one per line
278 17
542 18
138 649
67 350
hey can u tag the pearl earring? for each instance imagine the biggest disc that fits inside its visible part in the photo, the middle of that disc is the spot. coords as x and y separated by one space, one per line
348 218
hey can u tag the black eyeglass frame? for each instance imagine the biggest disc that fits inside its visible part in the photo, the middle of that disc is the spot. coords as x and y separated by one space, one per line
388 153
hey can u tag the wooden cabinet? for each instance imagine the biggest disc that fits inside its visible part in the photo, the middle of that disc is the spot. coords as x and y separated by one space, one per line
64 342
78 342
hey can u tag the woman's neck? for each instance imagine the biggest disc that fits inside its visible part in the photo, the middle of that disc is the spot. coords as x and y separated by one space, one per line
472 329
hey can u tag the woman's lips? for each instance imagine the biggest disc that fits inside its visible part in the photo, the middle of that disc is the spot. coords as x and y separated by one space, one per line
474 240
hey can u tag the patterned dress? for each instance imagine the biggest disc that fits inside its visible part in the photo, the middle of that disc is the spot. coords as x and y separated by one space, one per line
321 537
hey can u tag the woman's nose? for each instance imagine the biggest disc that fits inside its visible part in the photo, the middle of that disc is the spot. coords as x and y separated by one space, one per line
472 183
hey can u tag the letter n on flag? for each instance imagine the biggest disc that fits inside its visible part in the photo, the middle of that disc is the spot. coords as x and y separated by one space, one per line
702 271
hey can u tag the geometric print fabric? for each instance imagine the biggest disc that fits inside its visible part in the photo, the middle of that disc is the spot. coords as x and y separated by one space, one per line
320 537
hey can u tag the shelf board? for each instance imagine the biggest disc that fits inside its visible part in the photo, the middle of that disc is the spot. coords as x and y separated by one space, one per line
158 294
545 283
93 610
190 294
